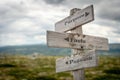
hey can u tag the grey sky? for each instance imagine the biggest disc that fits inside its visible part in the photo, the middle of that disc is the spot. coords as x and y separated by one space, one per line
26 21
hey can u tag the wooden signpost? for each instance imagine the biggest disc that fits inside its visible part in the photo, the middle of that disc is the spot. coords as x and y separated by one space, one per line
83 46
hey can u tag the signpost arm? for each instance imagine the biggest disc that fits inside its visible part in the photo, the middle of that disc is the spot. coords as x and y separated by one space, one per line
77 74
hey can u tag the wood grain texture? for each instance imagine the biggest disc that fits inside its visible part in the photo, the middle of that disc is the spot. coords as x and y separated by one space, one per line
75 62
79 74
79 18
76 41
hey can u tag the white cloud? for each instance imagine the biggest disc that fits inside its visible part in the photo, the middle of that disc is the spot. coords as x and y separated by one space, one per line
24 25
101 31
40 38
12 39
95 29
26 21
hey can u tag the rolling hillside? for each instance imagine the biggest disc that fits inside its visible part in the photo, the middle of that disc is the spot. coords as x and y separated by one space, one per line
44 50
40 67
30 49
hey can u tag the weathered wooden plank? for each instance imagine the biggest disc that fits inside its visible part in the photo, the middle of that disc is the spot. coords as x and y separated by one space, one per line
76 41
79 18
86 60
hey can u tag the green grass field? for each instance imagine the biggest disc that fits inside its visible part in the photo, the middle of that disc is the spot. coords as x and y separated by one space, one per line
43 68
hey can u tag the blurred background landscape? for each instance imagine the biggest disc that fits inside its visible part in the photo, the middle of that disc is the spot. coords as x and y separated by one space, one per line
37 62
42 49
24 54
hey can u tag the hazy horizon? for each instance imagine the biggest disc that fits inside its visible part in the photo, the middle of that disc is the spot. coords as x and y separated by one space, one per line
36 44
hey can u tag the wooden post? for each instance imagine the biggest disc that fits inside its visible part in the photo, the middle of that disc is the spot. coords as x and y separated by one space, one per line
77 74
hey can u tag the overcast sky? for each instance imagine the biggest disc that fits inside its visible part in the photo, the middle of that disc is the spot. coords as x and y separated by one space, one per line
26 21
